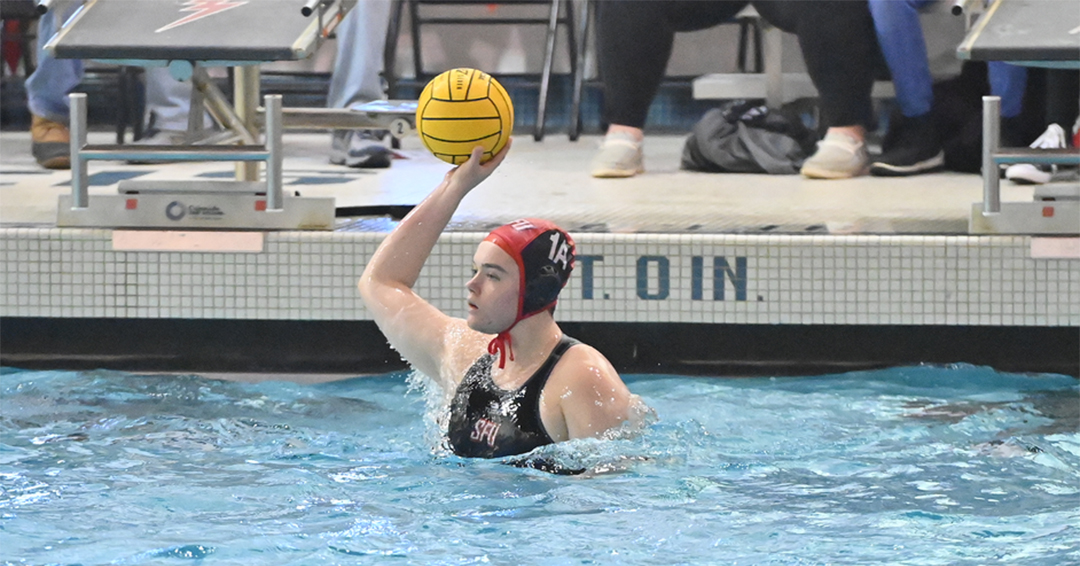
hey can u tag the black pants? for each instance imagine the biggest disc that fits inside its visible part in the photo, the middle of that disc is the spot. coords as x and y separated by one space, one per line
837 39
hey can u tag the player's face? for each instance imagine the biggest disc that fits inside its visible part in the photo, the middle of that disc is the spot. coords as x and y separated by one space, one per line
493 290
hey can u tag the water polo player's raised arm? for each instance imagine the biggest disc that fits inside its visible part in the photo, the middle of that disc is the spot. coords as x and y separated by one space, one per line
415 328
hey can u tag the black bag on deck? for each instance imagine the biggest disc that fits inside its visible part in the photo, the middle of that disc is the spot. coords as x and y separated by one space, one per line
747 137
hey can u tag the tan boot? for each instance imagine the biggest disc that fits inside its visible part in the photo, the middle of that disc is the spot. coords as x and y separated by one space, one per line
50 142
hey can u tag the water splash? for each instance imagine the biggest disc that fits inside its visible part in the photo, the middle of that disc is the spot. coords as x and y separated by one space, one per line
436 410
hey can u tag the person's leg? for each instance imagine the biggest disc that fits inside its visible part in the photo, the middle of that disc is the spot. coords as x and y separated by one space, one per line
634 41
1062 97
913 144
48 86
361 38
356 79
168 103
900 35
1009 82
839 48
47 89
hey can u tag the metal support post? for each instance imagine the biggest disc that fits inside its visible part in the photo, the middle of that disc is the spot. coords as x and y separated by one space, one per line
579 69
274 197
991 126
774 67
80 179
246 97
222 110
545 75
196 112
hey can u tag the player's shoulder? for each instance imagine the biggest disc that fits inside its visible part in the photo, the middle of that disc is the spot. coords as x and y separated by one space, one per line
583 363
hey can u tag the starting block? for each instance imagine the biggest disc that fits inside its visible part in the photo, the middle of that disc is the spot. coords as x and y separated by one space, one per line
188 36
1036 33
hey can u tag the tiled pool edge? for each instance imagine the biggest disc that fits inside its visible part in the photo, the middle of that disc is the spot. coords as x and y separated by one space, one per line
705 303
703 278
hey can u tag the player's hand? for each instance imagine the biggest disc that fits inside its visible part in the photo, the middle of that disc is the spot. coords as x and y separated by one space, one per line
468 175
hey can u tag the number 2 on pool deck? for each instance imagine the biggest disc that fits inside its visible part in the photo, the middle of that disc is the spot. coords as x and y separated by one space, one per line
399 127
559 250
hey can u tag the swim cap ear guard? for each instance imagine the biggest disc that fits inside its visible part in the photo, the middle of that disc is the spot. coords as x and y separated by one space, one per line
544 254
542 290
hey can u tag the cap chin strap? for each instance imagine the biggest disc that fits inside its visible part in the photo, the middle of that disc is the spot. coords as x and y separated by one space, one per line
503 345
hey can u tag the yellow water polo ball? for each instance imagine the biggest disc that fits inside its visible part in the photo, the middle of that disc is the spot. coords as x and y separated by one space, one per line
461 109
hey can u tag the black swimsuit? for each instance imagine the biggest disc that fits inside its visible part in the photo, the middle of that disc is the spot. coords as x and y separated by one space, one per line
489 422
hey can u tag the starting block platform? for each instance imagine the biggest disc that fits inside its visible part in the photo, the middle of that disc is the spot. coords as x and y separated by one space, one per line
188 37
225 31
1036 33
1040 33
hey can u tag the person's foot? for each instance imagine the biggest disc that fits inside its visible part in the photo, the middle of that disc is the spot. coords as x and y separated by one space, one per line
1037 174
359 148
158 137
50 143
1031 174
912 147
620 156
839 155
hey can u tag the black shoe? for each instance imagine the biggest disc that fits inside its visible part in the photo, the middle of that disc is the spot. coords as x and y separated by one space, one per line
912 147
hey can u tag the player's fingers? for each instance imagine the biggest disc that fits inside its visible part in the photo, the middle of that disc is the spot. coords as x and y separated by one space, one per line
498 158
477 154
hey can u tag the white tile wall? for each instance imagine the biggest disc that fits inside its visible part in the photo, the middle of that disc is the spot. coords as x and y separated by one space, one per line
936 280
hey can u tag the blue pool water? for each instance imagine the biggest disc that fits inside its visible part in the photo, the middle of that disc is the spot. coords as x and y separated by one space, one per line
918 465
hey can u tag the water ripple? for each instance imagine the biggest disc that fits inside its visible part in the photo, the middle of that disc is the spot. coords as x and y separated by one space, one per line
921 465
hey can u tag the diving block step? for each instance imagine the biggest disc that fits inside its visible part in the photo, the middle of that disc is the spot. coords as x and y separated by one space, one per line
1057 155
175 152
755 85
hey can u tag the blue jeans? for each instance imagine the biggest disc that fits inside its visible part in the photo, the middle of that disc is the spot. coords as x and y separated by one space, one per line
900 35
48 87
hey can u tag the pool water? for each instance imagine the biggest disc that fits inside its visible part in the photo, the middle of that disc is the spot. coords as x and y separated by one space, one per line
915 465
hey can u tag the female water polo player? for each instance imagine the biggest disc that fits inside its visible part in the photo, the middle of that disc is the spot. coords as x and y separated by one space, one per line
518 381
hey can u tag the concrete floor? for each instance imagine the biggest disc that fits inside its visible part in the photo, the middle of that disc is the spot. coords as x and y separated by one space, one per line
550 179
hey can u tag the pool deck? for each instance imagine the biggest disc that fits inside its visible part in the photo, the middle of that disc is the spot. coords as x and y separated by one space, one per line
718 274
550 179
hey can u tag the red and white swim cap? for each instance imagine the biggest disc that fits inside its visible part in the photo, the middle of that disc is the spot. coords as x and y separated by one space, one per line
544 254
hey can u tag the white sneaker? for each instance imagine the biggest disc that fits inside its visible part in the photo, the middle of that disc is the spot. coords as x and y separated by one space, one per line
620 156
1038 174
838 156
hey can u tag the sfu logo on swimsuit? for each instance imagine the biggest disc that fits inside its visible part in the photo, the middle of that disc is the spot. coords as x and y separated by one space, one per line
485 431
202 9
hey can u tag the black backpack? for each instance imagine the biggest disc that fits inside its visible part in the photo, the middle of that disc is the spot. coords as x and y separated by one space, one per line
747 137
